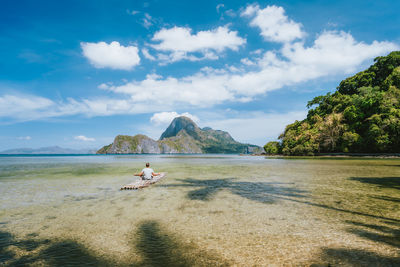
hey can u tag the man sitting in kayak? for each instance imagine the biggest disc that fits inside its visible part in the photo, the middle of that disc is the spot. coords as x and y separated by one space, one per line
147 173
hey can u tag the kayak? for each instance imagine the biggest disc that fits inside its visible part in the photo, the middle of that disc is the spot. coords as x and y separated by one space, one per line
143 183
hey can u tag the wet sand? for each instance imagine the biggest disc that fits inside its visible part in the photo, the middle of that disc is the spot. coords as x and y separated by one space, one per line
210 210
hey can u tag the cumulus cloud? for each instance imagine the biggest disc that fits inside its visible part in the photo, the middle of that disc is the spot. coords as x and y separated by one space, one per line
275 26
179 43
163 118
201 89
331 53
84 138
113 55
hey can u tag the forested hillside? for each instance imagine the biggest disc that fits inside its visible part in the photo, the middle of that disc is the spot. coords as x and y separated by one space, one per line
361 116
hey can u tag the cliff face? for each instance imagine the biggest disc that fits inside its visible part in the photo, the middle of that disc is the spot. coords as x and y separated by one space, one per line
181 136
179 124
124 144
141 144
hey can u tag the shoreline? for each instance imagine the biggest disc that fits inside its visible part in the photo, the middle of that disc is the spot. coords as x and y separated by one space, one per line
280 156
332 155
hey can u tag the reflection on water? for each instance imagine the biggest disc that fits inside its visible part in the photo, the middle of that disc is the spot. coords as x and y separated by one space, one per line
211 210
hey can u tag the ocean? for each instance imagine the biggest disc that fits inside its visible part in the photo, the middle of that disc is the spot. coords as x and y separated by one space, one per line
210 210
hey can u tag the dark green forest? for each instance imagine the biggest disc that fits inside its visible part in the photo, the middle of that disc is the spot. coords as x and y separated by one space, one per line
361 116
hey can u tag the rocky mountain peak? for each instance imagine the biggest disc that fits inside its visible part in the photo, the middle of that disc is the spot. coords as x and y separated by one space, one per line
178 124
181 136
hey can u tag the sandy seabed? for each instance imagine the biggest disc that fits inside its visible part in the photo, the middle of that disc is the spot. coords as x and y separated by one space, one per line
210 210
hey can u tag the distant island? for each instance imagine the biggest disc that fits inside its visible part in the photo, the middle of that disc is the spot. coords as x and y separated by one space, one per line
47 150
181 136
361 116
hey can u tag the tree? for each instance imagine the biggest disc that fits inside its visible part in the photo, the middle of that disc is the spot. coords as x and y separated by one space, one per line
331 129
362 115
272 148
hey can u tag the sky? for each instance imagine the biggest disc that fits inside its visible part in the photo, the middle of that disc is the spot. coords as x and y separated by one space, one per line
77 73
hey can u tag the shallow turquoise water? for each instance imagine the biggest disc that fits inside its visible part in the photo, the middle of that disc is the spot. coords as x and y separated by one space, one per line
210 210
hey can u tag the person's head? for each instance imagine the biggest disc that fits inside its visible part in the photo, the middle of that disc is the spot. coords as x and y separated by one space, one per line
147 165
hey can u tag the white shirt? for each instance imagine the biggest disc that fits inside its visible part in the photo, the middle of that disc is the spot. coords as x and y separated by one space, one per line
147 173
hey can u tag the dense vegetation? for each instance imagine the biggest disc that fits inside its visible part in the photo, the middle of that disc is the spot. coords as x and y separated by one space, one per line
361 116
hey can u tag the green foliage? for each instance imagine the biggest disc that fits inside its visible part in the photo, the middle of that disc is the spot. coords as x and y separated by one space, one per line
121 139
104 149
373 76
299 139
272 148
362 115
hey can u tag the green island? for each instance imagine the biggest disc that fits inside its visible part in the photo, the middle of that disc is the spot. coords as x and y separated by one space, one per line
361 116
182 136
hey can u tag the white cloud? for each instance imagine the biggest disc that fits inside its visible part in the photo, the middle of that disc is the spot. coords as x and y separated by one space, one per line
132 12
181 39
84 138
247 61
274 24
147 55
147 21
24 138
178 56
20 108
230 13
179 43
332 53
108 107
201 89
219 6
256 52
113 55
23 105
163 118
103 86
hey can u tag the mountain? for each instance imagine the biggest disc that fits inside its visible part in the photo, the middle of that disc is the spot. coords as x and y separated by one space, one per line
47 150
361 116
181 136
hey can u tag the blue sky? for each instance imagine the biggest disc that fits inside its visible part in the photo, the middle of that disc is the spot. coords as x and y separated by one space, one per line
78 73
